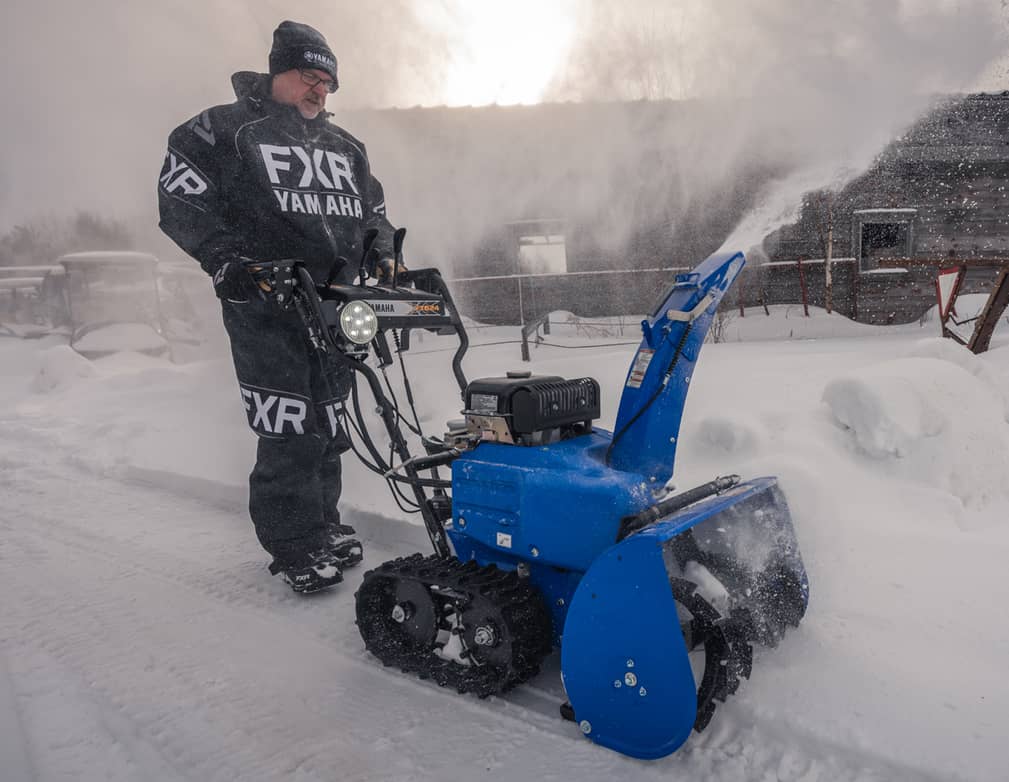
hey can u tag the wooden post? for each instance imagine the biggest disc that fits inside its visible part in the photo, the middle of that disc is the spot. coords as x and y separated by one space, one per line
988 319
826 216
802 287
828 281
522 313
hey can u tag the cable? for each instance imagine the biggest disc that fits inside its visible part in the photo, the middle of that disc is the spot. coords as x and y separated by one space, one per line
360 456
358 427
395 488
324 366
380 465
395 406
406 385
583 347
577 323
362 430
405 505
519 342
658 392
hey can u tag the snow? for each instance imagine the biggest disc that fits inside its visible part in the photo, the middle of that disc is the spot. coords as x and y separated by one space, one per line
103 258
809 261
19 283
60 366
885 211
141 636
137 337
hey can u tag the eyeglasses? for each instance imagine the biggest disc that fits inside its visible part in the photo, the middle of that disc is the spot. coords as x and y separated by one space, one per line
311 80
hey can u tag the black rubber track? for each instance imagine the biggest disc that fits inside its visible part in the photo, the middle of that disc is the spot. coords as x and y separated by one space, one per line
479 596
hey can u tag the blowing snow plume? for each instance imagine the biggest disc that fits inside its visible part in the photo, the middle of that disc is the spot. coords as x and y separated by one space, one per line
748 107
815 91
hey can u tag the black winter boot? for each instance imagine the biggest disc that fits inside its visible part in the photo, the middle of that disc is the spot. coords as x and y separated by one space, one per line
345 548
310 572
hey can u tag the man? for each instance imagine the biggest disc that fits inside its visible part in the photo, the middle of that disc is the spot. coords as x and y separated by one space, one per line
245 185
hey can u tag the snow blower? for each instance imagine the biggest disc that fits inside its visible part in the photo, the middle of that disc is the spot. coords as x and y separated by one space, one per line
552 532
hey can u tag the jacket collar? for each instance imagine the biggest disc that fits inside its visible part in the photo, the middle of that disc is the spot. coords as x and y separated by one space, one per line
256 87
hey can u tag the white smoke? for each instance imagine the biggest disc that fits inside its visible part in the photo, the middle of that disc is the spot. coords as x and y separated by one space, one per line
822 86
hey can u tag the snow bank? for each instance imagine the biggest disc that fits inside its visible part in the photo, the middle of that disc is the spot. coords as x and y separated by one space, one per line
733 434
60 367
789 321
929 421
983 367
138 337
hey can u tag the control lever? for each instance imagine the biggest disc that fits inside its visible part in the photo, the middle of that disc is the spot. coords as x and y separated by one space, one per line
369 239
397 248
427 462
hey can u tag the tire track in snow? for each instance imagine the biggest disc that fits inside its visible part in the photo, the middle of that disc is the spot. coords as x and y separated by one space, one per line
245 583
97 638
250 592
63 541
16 765
77 732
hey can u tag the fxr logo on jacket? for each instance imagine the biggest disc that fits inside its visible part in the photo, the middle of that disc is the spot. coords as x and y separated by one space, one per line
178 173
330 170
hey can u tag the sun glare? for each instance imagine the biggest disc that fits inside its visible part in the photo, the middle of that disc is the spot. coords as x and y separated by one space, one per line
505 52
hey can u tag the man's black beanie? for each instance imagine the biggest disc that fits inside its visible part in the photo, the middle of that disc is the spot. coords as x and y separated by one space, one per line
300 46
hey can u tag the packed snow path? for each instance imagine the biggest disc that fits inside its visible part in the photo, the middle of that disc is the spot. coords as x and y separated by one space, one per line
145 640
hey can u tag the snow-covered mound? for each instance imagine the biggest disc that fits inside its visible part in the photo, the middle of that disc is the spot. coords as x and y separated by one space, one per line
59 367
113 337
930 421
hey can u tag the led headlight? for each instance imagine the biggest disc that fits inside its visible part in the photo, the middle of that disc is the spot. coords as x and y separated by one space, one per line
358 322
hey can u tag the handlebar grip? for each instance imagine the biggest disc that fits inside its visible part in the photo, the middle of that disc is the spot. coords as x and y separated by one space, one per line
435 460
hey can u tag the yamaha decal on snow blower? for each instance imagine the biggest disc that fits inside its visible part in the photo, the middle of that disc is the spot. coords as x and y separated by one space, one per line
552 532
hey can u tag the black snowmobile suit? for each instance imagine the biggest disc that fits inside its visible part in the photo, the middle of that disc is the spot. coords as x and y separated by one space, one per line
255 179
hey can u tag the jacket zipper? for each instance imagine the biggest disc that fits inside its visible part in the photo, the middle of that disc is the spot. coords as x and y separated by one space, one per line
322 196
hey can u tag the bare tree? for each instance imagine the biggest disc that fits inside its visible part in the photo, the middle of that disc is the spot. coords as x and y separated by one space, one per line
43 239
724 315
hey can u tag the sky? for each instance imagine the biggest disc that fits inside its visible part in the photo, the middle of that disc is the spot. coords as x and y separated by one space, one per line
97 87
141 636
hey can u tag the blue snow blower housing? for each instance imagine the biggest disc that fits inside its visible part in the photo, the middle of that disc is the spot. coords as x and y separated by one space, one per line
560 534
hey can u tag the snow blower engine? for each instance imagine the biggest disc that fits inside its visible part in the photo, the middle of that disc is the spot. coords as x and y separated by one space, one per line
554 533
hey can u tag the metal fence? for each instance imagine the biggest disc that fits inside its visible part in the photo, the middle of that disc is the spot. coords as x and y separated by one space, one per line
894 295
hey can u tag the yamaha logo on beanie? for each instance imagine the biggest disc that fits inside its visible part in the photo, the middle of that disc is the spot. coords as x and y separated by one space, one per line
297 45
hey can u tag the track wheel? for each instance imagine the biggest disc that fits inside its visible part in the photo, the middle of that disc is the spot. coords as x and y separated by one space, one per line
397 618
488 642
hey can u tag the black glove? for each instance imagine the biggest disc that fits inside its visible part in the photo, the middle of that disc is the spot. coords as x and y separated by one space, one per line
383 270
232 282
275 280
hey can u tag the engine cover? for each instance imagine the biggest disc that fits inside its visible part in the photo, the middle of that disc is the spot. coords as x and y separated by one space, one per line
527 409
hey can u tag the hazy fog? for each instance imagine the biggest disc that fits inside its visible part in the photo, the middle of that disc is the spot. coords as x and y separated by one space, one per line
92 89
